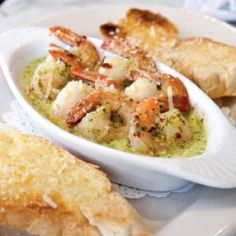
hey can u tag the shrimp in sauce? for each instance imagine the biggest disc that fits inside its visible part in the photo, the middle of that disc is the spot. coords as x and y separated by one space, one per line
127 88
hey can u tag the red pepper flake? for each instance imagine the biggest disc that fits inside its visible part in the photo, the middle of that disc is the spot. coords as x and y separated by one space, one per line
178 135
107 65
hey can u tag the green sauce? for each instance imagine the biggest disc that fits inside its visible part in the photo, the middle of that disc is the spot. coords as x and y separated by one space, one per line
198 142
44 107
195 146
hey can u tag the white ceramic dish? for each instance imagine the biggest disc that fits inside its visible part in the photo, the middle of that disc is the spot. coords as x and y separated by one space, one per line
194 209
215 167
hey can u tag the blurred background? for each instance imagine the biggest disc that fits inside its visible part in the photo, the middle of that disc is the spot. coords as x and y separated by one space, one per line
222 9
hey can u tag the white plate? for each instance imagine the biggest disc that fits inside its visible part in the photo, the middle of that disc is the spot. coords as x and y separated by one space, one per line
202 211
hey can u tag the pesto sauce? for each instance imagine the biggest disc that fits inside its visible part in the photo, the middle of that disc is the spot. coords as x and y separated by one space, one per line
44 107
195 146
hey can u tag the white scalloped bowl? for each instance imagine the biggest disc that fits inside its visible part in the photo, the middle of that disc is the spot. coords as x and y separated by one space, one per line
216 167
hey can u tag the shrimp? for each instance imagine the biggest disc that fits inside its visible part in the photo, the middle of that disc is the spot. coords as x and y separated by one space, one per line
96 99
49 77
139 58
115 67
140 141
149 126
138 119
141 89
146 112
111 73
78 71
145 68
144 119
83 49
94 78
176 92
72 93
96 124
60 54
171 91
174 126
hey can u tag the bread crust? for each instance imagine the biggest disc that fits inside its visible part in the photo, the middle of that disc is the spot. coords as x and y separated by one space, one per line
110 30
148 19
210 64
44 190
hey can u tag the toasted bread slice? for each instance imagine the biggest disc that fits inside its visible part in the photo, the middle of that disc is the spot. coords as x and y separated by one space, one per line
150 31
210 64
44 190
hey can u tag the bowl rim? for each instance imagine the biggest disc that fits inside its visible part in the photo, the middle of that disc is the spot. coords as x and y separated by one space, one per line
169 166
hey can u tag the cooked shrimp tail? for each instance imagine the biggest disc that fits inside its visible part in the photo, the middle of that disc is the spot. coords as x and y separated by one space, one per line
79 111
77 70
110 30
95 99
67 36
175 92
138 57
91 77
87 105
59 53
84 50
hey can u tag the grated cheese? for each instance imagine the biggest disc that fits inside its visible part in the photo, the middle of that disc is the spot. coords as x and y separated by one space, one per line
170 97
49 201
